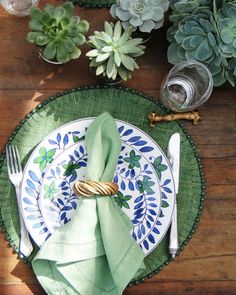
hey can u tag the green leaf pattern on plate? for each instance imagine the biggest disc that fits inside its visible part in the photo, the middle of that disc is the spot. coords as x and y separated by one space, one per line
164 204
122 201
133 160
145 185
70 168
159 167
44 158
50 190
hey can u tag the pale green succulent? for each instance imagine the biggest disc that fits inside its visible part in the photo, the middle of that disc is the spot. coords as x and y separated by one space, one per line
189 2
57 32
189 5
195 39
227 29
114 51
145 15
232 70
206 34
183 8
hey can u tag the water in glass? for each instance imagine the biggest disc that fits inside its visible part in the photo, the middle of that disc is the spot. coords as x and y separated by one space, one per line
187 86
19 7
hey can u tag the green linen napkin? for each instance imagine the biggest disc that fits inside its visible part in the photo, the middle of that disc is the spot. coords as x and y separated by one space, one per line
93 254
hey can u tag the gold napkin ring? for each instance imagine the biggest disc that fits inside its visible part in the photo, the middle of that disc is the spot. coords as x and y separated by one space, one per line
91 188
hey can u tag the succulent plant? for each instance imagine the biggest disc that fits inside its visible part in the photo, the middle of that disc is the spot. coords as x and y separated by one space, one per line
183 8
205 33
57 32
232 70
195 39
227 29
114 51
145 15
192 4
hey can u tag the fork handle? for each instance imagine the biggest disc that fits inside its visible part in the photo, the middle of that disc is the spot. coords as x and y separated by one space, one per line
25 244
174 239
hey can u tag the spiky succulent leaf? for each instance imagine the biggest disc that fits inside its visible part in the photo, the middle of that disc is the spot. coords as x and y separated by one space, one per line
108 28
57 32
113 51
145 15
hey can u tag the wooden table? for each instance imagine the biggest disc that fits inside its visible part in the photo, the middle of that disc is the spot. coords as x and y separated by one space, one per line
208 263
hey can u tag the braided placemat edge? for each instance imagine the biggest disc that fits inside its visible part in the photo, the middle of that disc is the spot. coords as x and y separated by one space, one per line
145 96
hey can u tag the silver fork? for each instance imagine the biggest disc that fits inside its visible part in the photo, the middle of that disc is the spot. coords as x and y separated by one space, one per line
14 168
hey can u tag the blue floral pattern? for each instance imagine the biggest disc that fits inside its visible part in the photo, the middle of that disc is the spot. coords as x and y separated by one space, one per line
146 189
60 209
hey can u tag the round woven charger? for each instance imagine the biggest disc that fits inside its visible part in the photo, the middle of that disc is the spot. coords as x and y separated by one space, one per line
124 104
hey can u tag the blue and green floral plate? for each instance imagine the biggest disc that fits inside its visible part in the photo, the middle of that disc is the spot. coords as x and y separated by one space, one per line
146 186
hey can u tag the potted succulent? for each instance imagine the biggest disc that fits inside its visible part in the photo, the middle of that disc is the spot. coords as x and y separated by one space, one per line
142 15
114 52
57 32
205 31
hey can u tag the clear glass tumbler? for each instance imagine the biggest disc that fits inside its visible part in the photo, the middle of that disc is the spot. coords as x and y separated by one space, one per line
19 7
188 85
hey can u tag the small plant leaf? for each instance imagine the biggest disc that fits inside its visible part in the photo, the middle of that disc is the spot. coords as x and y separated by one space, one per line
36 25
76 53
50 51
69 8
83 26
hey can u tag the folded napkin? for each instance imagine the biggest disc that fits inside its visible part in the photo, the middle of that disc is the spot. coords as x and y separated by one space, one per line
93 254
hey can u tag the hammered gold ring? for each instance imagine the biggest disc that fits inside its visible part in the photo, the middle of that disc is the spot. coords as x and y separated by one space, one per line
91 188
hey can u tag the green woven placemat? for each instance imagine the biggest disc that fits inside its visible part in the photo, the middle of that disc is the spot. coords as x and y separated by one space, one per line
94 3
124 104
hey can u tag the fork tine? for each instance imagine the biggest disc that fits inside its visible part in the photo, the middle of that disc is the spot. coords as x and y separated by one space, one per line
18 158
11 160
8 160
14 159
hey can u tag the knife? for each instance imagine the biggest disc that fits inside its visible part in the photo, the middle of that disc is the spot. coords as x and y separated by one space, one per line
173 154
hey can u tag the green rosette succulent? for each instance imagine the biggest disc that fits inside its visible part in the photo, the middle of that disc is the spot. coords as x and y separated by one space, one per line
146 15
183 8
195 39
57 32
206 34
227 29
232 70
114 51
174 3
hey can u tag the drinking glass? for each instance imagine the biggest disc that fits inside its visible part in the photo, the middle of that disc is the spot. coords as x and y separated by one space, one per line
188 85
19 7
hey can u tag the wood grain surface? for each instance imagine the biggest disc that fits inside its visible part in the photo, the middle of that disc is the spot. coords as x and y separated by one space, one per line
208 264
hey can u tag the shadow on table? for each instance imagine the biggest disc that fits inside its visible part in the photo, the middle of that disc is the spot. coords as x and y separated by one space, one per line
26 274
